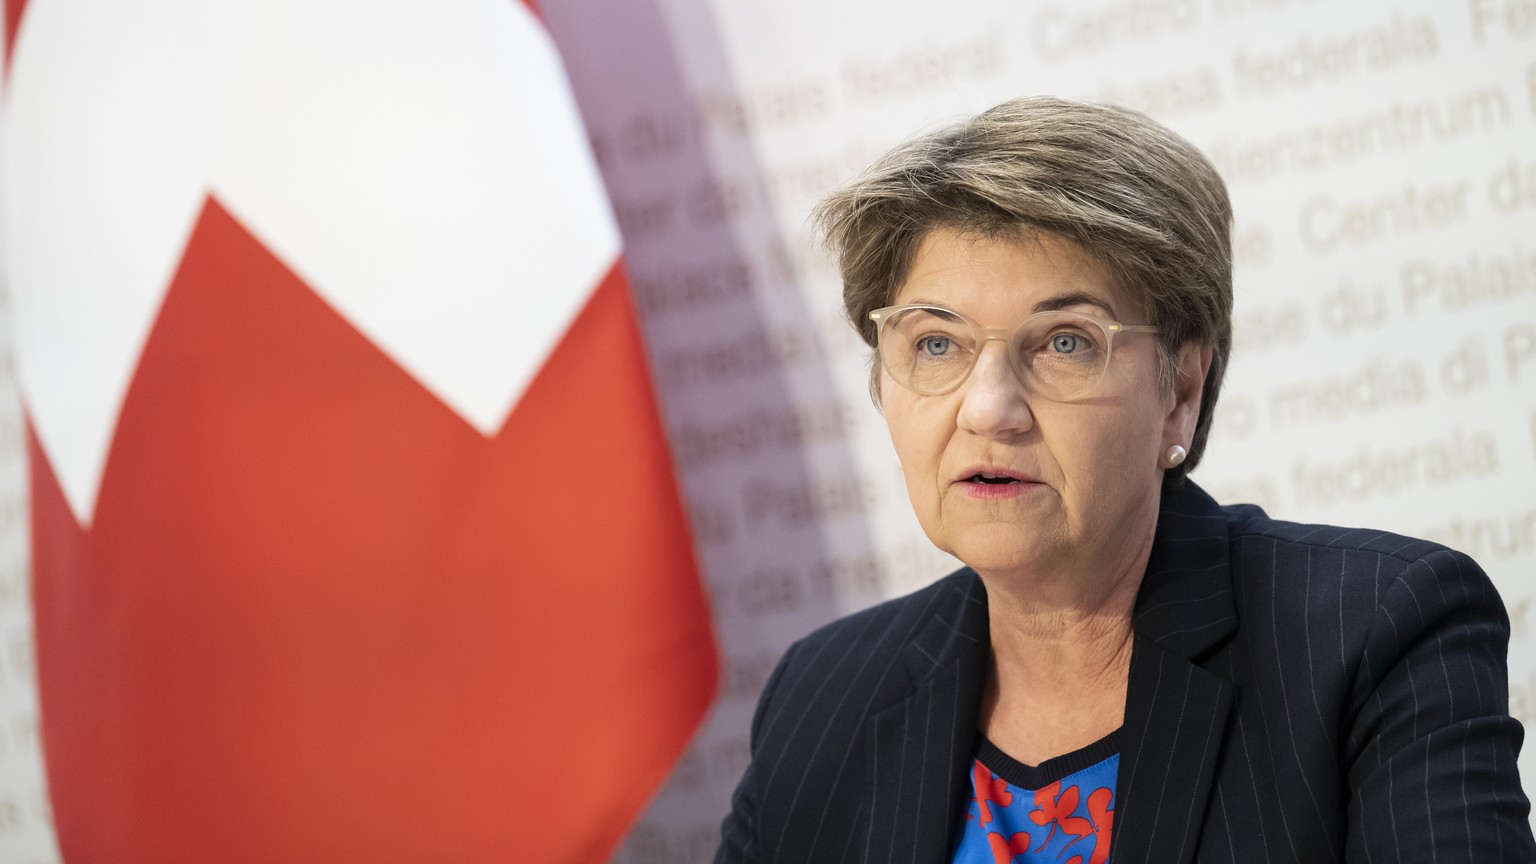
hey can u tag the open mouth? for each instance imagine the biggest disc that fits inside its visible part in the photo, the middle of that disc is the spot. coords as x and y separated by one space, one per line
991 479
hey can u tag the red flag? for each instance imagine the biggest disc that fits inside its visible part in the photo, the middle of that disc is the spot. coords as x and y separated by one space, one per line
355 532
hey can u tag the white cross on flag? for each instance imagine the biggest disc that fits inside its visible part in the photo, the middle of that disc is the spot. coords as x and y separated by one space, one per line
355 534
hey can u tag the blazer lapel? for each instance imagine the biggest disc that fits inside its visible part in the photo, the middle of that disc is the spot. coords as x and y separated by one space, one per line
1176 715
922 745
1176 712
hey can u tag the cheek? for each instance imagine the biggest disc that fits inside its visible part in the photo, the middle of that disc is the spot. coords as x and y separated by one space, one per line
919 443
1109 450
904 438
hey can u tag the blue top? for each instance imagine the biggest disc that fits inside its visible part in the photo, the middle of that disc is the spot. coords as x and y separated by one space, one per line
1061 811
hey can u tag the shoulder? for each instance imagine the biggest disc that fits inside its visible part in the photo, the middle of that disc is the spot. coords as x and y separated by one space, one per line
1368 593
1247 523
1294 552
1292 578
868 643
859 663
1187 513
1260 548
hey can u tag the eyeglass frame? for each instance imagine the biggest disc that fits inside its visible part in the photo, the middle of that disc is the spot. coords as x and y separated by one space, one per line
990 334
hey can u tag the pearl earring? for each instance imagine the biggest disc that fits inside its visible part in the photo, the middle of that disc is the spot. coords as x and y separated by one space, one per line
1176 456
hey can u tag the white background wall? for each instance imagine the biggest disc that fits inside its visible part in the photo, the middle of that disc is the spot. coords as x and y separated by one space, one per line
1382 160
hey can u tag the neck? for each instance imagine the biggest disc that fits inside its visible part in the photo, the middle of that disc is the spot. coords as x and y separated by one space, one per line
1045 637
1060 657
1083 610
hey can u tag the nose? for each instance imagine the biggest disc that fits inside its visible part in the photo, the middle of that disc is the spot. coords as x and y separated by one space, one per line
993 402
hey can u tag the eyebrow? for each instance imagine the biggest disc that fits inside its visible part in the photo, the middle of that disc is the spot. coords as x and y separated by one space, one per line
1074 298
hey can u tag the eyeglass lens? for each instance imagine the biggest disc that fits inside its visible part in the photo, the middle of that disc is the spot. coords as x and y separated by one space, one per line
1060 355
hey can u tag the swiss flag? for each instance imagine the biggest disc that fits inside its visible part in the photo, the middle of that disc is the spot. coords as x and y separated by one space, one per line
356 537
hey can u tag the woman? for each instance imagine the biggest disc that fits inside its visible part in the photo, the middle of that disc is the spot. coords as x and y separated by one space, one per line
1124 670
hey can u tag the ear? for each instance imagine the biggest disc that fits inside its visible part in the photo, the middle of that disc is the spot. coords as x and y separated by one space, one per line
1194 363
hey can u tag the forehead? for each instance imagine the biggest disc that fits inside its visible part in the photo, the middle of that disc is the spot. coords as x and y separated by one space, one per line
1007 276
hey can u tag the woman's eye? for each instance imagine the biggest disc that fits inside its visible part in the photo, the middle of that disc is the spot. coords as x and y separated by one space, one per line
1067 343
934 346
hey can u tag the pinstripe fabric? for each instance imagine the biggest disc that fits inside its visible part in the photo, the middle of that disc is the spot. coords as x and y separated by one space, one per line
1297 693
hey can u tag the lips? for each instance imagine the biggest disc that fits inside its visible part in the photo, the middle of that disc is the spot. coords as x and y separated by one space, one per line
990 478
993 476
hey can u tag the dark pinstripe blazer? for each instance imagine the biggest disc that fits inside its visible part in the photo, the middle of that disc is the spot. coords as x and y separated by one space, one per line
1297 693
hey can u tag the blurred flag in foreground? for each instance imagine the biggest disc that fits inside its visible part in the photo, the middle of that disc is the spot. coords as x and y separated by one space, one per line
355 533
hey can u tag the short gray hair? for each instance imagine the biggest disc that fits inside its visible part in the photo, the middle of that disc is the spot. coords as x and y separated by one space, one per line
1141 201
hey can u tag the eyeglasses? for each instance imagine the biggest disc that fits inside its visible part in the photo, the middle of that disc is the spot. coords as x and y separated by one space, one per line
1059 356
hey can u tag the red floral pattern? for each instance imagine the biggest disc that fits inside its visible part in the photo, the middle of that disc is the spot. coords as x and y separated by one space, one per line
1057 823
989 790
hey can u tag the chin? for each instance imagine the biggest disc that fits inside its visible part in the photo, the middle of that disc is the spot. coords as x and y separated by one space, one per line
996 549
